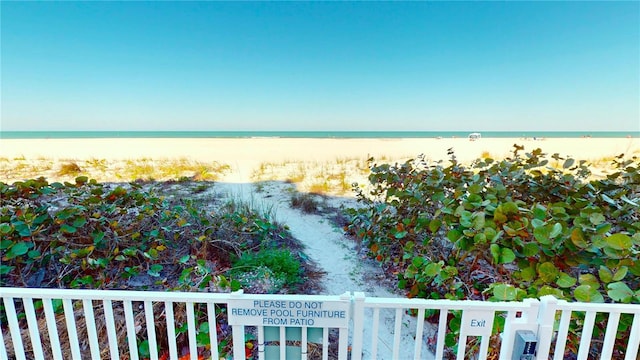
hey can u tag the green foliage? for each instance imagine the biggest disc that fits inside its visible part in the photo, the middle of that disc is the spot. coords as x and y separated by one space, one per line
86 234
106 236
505 230
280 267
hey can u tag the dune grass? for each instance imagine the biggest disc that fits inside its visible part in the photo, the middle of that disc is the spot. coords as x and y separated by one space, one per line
110 170
328 177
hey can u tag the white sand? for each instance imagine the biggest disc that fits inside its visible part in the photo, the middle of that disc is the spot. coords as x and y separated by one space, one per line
345 271
276 149
245 155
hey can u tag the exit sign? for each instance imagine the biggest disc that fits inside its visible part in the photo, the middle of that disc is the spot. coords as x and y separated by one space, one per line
477 323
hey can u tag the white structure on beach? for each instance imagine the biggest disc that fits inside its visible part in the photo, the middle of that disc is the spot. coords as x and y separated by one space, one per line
475 136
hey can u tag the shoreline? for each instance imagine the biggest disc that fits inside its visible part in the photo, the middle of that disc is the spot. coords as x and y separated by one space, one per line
294 134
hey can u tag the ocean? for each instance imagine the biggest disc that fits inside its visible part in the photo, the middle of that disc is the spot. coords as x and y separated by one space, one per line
308 134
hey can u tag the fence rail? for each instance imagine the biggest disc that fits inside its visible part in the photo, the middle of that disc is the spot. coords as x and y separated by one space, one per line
113 324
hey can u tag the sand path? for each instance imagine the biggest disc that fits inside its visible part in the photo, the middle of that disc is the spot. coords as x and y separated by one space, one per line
326 245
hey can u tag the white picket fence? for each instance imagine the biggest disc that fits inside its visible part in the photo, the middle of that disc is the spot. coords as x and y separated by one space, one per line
349 326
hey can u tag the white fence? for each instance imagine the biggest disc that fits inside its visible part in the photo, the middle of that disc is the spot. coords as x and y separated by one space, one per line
92 324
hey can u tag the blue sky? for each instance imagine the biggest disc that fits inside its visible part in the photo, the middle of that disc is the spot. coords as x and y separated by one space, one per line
320 66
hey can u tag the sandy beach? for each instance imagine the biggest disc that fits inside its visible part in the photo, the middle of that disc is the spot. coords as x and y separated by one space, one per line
246 155
345 266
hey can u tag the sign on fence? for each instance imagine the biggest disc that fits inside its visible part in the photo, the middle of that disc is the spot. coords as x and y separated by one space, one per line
334 314
477 323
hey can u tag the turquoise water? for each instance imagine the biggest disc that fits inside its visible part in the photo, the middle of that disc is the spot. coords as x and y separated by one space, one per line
306 134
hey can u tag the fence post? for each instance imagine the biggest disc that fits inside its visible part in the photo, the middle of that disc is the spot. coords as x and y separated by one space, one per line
546 319
237 332
526 321
632 346
343 332
358 325
14 327
3 347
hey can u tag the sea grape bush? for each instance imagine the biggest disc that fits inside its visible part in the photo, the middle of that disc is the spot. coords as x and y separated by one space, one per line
125 236
505 230
92 235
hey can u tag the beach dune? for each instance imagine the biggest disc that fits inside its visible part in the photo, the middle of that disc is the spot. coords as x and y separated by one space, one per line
244 155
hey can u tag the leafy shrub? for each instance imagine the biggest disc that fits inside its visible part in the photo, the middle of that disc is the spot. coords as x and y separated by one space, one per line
91 235
506 230
106 236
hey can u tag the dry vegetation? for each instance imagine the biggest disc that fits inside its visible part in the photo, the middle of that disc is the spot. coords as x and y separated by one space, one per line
330 177
21 168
